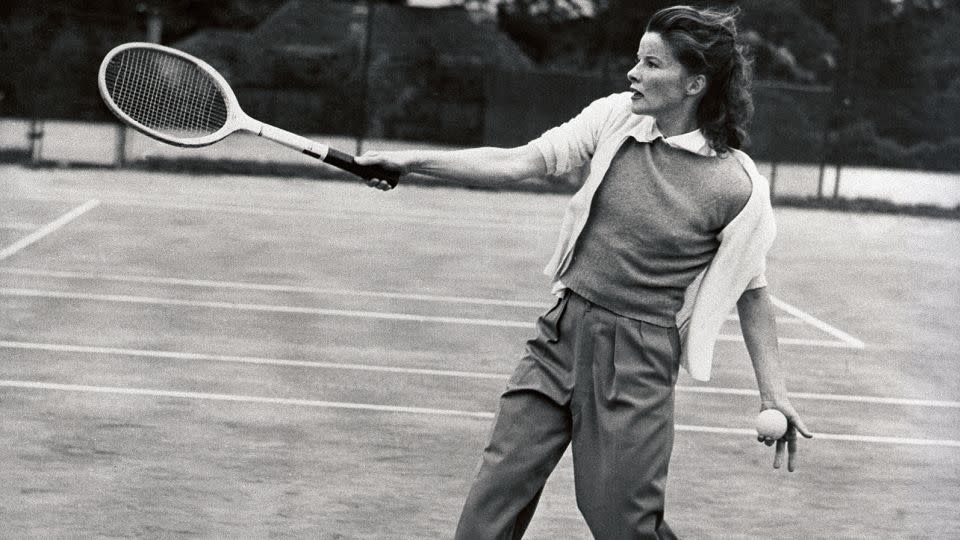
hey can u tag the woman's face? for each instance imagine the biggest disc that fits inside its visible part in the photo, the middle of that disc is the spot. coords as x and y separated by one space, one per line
659 81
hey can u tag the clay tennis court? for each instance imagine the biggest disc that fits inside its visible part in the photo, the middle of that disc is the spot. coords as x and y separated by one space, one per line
253 357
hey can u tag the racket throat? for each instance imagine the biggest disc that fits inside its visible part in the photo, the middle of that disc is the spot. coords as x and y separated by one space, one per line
290 140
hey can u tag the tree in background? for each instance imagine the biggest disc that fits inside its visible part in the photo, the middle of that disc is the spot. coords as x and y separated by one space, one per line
50 51
898 61
894 63
602 35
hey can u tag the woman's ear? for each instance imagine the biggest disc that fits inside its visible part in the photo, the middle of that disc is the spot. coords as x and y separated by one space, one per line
696 84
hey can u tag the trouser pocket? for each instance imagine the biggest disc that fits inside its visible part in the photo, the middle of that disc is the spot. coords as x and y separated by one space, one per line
548 325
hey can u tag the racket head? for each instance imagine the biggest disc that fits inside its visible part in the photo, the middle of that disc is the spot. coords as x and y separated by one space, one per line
168 94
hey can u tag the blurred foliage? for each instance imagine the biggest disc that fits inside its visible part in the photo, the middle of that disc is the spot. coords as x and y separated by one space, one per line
795 40
425 96
894 66
304 93
49 51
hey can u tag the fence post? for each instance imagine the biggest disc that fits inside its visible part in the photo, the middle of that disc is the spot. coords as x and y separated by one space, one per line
35 136
773 179
836 182
120 158
845 105
154 25
823 168
365 77
826 148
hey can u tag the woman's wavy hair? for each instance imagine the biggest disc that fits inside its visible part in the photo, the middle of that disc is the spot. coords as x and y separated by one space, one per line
705 41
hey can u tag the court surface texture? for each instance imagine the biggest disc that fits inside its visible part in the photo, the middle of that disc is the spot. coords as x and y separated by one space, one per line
253 357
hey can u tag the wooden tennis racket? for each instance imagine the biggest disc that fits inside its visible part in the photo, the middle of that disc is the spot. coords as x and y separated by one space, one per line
181 100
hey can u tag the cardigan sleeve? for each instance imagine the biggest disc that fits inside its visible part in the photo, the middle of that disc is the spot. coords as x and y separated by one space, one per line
572 143
739 263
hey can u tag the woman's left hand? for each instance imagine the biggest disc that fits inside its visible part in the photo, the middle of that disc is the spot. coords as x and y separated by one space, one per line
794 425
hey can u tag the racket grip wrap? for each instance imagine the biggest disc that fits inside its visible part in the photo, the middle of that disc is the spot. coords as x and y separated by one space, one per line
346 162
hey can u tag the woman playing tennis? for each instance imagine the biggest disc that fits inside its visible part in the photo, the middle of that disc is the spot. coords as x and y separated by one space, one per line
668 233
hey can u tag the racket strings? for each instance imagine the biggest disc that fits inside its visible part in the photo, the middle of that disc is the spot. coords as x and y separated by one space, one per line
165 93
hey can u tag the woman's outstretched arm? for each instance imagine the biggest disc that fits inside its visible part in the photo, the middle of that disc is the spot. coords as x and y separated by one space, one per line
481 167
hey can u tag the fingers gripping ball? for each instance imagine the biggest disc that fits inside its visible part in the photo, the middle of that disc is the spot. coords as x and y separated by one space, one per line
771 424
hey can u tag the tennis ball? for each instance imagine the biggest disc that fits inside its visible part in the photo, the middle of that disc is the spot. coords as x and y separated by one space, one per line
771 424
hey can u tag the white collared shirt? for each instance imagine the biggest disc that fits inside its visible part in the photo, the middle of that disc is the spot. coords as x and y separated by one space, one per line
595 135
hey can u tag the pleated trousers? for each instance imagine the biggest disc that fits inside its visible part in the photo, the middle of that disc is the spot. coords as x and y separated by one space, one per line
604 384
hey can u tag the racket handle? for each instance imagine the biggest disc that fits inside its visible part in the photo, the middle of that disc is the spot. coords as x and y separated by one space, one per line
316 150
346 162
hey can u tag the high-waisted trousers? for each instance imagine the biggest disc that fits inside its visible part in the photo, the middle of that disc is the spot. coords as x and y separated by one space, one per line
603 383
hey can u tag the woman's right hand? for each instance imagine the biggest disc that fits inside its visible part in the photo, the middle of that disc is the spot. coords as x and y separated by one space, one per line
400 161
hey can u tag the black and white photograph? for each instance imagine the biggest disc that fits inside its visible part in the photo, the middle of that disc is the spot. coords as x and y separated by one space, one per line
480 269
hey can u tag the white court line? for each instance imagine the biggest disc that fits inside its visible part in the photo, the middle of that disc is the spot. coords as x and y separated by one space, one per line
847 339
796 341
827 436
119 298
388 216
36 385
19 226
443 219
239 398
780 320
825 397
174 355
392 215
270 308
248 286
813 321
47 229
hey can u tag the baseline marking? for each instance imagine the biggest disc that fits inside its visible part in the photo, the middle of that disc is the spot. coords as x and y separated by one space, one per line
270 308
47 229
19 226
388 215
186 356
392 215
35 385
238 398
172 355
119 298
248 286
795 341
827 397
827 436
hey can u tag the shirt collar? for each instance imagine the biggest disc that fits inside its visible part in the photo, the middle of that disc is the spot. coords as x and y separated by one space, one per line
692 141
